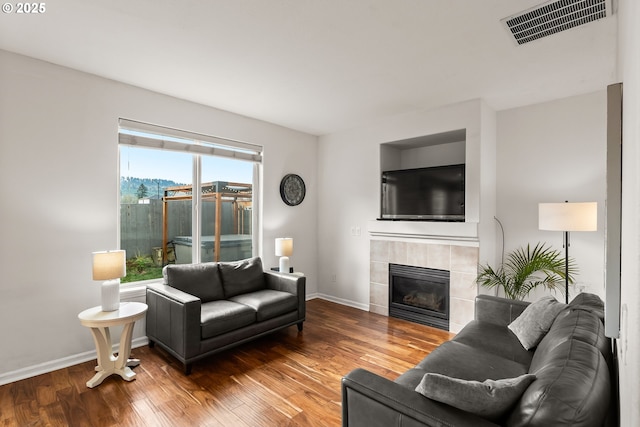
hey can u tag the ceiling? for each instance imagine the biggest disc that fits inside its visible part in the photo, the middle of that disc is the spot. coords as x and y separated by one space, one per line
318 66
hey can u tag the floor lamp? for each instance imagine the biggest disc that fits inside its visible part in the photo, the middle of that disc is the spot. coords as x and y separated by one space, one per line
568 217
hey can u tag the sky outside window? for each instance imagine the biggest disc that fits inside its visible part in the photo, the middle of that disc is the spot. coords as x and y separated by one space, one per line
174 166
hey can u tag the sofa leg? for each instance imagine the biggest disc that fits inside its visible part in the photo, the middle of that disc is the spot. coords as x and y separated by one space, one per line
299 327
187 368
151 344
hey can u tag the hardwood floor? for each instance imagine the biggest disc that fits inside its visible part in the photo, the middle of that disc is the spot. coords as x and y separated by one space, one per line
285 379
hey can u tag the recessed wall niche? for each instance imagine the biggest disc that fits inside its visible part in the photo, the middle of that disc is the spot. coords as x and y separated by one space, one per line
423 194
446 148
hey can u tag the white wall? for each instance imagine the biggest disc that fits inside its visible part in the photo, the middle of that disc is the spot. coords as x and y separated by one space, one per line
553 152
58 169
629 342
349 181
435 155
548 152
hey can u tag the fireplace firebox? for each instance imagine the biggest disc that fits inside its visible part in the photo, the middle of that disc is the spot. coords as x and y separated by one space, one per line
419 295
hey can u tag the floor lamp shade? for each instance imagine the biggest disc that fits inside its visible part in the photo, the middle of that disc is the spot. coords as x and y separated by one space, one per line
109 266
284 249
568 217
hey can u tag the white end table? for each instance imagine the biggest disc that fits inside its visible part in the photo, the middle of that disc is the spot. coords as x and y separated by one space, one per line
100 321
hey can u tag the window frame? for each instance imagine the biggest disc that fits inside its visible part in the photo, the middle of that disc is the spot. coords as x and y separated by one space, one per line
135 134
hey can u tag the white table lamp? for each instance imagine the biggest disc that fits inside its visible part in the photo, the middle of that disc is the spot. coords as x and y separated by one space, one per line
568 217
284 249
110 266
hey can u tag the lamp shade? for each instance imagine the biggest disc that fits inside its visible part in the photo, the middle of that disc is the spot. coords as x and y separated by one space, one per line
108 265
284 246
568 216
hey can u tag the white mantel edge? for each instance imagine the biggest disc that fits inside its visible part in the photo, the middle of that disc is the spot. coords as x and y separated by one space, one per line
464 232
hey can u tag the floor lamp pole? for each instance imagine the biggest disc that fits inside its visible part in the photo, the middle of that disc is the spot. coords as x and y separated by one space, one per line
566 266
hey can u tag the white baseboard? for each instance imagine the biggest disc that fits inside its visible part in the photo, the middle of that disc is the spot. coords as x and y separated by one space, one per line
65 362
311 296
341 301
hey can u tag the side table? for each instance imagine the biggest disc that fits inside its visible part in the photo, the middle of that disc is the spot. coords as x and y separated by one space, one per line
99 322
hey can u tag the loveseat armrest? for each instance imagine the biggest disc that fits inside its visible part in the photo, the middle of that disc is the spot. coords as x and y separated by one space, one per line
173 293
285 282
369 400
173 320
291 283
498 310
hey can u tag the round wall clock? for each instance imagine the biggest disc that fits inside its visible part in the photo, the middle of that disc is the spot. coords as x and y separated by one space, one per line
292 189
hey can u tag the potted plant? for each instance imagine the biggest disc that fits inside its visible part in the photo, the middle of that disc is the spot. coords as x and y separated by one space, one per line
526 269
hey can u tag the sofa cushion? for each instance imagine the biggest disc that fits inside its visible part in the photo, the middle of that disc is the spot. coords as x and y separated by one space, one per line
268 303
535 321
218 317
200 280
572 387
459 360
575 324
242 276
489 399
494 339
588 302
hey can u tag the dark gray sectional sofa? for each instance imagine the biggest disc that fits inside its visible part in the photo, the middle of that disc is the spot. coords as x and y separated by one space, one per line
202 309
573 374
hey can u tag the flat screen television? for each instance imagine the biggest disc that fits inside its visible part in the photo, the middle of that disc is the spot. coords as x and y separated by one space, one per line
425 194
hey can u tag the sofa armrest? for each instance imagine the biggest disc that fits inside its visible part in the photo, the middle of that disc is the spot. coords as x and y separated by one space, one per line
369 400
293 284
173 293
173 320
498 310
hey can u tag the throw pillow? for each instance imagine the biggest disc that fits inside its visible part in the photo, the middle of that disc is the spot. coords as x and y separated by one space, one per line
490 399
534 322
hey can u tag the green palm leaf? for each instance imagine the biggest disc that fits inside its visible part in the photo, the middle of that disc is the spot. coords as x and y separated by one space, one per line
526 269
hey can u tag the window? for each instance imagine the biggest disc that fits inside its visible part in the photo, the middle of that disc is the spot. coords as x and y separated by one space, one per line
163 220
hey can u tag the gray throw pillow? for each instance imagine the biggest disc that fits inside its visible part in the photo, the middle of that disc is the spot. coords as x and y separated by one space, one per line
490 399
534 322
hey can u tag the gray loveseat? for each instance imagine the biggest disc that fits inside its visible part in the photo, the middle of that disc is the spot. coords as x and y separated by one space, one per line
202 309
572 365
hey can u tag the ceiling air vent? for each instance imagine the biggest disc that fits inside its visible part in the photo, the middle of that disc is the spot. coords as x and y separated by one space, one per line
555 16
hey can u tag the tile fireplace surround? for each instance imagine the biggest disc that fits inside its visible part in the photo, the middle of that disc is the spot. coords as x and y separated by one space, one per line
460 258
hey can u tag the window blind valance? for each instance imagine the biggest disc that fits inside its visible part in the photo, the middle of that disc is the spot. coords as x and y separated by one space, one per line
141 134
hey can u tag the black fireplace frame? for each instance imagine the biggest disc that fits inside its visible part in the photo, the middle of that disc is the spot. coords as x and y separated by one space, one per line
415 314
